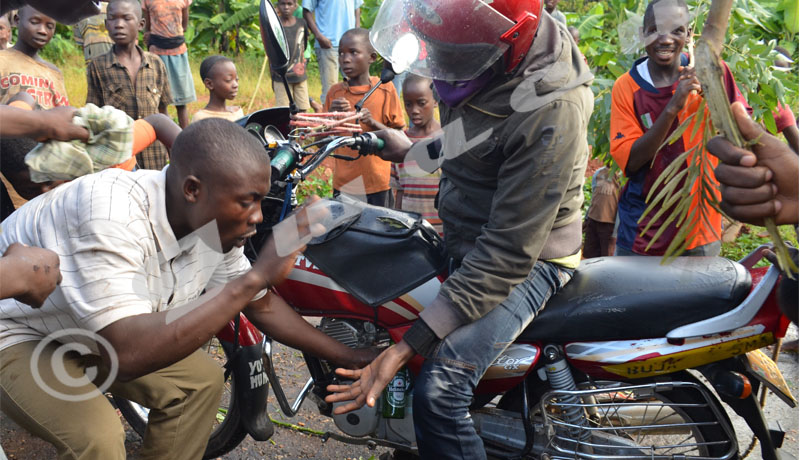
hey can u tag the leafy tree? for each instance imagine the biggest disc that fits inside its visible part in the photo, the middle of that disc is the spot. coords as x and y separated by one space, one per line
225 26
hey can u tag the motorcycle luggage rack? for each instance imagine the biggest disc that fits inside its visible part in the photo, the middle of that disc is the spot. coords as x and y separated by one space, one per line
615 433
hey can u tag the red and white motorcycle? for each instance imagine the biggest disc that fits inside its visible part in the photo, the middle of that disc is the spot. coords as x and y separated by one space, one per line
610 369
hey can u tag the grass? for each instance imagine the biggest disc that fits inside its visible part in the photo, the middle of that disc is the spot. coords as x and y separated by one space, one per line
751 237
248 67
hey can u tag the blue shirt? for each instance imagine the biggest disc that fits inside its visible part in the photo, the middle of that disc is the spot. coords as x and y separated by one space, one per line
333 17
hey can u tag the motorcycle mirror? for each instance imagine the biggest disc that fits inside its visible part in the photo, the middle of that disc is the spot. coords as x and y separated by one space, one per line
275 45
387 75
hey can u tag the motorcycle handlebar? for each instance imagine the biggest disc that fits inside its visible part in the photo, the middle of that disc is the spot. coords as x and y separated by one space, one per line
365 143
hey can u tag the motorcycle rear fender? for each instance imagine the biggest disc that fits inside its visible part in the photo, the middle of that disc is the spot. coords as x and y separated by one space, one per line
252 390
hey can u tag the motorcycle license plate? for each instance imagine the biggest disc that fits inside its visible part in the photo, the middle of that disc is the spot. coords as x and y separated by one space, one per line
767 372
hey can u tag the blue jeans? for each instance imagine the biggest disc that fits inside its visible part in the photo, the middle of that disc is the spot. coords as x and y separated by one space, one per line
443 390
328 60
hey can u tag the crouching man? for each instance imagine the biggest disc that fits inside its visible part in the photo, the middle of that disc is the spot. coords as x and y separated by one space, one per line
137 249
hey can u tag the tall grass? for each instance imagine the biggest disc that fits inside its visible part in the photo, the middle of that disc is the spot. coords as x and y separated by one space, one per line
248 67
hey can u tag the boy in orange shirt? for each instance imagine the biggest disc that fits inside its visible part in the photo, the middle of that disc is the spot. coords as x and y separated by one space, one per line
381 110
647 104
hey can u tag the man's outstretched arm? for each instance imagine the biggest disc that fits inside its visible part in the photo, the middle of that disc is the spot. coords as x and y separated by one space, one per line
147 342
41 125
273 316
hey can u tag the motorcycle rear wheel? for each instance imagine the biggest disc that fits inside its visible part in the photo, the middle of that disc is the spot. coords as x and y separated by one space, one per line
228 431
687 425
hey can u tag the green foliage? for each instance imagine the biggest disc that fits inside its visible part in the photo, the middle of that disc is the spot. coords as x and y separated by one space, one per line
752 237
587 196
578 7
223 26
368 12
60 47
318 184
231 27
751 56
600 43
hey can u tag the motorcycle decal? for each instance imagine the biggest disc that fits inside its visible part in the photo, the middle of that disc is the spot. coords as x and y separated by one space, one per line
690 359
411 304
623 351
306 272
650 366
422 295
302 262
399 310
319 280
515 361
257 375
407 306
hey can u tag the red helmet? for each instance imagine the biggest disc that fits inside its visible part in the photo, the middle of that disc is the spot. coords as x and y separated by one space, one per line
454 39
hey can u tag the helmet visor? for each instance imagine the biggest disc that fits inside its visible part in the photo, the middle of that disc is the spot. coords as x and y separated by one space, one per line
450 40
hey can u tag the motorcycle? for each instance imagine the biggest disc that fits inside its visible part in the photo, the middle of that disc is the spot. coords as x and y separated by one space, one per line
631 360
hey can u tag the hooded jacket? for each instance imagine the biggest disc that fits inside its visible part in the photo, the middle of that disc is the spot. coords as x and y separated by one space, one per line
515 154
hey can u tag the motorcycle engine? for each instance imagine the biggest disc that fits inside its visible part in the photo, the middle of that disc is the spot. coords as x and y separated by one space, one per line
366 421
353 333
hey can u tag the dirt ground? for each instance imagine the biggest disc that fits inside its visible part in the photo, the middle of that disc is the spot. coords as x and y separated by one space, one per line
290 444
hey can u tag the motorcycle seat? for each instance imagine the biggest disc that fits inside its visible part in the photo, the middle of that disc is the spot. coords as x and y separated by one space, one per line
619 298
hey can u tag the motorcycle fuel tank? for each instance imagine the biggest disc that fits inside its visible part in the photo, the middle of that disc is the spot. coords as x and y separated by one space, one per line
313 293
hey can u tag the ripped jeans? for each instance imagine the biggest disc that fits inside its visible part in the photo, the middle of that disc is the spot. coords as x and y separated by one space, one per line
443 390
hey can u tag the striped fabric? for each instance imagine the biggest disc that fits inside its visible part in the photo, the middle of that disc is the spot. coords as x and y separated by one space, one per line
419 189
119 256
110 143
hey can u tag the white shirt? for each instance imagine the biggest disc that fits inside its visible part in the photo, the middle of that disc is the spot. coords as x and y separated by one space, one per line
118 254
644 72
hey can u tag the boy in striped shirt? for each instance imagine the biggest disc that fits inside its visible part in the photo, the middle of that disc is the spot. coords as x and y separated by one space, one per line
415 190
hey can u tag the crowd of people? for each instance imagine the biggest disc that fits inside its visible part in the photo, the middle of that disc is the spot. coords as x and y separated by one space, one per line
114 252
121 74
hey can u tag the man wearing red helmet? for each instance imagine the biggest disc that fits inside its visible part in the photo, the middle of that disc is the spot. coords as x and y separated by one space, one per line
510 196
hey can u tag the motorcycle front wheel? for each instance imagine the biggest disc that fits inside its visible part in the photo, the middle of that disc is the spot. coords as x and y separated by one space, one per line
228 431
